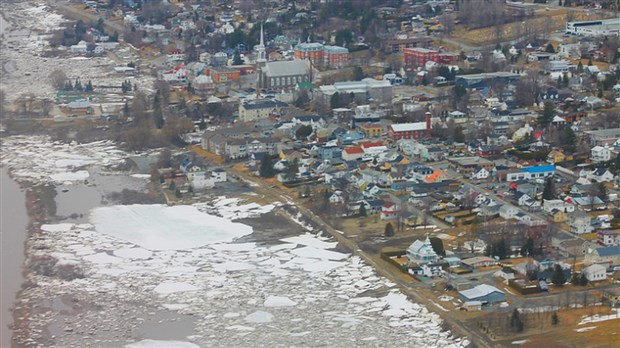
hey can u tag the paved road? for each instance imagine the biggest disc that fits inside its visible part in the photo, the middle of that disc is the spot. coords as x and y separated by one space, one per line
410 288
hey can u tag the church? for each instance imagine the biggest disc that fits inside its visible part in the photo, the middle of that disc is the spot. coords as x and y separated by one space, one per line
280 75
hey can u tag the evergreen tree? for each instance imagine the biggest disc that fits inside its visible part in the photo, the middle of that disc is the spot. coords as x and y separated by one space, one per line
266 167
292 169
172 185
437 245
590 62
362 211
554 316
89 86
303 132
389 230
580 67
545 118
237 58
528 248
549 189
515 321
550 49
602 191
558 278
358 73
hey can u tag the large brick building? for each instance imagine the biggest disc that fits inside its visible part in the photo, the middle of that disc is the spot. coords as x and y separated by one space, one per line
415 130
320 54
418 56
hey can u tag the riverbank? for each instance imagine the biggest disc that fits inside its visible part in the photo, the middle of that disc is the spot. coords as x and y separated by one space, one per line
283 282
13 230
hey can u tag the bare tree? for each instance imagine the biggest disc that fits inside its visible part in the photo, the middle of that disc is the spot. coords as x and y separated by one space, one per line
58 78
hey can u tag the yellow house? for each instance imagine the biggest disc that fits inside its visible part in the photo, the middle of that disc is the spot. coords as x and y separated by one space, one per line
371 130
558 215
556 156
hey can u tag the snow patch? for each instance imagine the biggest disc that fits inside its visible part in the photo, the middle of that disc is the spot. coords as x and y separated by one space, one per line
279 301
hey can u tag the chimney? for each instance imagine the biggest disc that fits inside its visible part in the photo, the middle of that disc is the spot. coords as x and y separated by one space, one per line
428 120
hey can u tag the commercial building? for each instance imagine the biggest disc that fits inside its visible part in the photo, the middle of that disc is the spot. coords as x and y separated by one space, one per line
378 90
419 56
483 293
414 130
479 81
258 109
603 27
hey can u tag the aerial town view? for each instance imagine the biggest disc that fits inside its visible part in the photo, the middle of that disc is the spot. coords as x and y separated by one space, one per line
310 173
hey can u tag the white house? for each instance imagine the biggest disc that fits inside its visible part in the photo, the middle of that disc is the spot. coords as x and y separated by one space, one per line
480 174
421 252
600 154
218 175
336 197
198 179
507 211
579 222
595 273
389 211
600 175
81 47
551 204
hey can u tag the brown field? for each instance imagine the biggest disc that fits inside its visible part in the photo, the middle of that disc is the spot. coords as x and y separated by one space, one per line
547 21
605 333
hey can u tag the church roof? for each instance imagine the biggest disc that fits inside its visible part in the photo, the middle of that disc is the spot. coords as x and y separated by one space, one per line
287 68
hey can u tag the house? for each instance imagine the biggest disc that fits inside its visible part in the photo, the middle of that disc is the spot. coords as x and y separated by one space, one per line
604 255
600 153
558 216
483 293
452 261
555 156
467 165
258 109
389 211
573 247
478 261
579 222
218 175
600 175
336 197
558 204
608 238
352 153
371 130
480 173
587 203
595 273
507 211
421 252
488 150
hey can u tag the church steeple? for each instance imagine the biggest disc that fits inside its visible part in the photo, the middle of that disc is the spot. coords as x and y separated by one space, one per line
261 55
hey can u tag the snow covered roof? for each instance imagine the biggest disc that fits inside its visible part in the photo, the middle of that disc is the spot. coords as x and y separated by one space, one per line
407 127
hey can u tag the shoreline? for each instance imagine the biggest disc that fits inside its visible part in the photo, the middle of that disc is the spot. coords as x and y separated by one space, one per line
36 216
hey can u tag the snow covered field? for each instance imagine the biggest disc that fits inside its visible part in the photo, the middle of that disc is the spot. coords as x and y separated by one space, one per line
144 260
